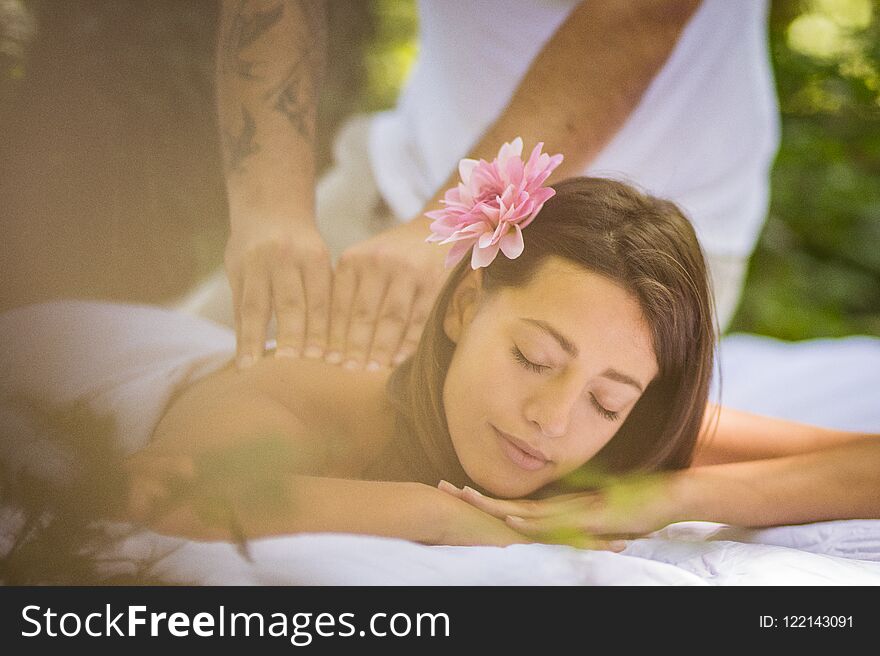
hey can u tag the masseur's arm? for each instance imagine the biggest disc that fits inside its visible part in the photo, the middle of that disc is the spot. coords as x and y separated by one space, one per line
586 81
577 93
270 60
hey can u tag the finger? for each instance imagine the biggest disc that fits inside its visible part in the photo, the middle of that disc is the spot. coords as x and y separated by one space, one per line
421 308
449 488
392 321
362 321
318 278
290 313
255 312
500 508
344 288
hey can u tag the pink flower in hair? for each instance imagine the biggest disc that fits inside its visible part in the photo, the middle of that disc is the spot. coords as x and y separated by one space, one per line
492 204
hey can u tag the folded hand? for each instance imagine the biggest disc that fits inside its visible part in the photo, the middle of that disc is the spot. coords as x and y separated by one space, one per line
631 507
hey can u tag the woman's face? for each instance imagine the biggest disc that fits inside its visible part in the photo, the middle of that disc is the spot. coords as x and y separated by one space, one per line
542 376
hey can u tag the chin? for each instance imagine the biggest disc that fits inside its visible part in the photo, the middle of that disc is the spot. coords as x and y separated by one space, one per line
493 474
499 484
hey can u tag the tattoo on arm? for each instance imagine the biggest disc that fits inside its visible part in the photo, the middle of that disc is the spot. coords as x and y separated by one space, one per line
292 99
244 30
252 63
239 147
295 96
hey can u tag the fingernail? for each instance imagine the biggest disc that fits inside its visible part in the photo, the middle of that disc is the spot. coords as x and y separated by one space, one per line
470 489
617 545
372 365
245 361
333 357
351 364
314 352
400 357
514 519
287 352
447 486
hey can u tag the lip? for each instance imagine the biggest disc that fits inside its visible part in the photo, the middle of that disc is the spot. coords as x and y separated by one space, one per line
520 453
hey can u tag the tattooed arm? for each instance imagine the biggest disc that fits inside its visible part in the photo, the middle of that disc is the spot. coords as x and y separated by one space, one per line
270 61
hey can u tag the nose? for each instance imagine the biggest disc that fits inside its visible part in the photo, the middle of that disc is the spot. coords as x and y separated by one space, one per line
551 408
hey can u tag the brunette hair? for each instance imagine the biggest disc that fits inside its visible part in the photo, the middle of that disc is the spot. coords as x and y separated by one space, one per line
648 247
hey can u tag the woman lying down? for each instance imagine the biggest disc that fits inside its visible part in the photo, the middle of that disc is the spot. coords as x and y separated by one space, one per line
559 393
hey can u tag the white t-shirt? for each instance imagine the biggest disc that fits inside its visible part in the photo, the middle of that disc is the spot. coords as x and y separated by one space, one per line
704 133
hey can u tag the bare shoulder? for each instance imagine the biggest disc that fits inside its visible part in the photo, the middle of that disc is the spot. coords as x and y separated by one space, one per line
309 401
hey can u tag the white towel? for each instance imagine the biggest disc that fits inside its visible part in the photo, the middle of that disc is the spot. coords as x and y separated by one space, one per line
126 360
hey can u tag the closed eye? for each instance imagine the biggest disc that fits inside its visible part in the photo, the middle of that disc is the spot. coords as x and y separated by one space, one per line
524 361
605 412
610 415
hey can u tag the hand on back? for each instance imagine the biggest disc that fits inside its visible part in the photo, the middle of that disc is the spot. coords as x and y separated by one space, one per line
383 291
285 272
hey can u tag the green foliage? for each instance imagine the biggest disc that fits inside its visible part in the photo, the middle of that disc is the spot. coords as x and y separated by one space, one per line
63 490
231 482
816 270
61 479
391 54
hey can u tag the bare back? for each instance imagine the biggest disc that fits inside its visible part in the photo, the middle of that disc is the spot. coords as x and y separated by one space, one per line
337 417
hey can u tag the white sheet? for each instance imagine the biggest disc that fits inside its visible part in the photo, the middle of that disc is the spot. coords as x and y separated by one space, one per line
128 360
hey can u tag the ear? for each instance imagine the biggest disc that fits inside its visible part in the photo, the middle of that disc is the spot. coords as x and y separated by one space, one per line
463 304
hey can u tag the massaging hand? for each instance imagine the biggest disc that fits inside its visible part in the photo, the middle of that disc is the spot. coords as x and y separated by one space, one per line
383 291
282 269
628 508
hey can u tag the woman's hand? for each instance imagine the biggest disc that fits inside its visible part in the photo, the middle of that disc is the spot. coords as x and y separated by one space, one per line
383 291
283 269
632 507
461 524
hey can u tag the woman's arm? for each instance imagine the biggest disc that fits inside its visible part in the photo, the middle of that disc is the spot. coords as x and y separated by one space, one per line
231 461
752 471
311 504
840 482
196 509
734 436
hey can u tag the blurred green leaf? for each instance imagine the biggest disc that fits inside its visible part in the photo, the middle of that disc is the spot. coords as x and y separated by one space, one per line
816 270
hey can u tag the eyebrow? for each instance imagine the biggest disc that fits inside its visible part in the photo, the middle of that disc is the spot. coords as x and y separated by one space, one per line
569 347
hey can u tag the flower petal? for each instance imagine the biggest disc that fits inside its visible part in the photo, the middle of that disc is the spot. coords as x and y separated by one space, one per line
508 150
512 243
465 168
493 203
457 252
483 257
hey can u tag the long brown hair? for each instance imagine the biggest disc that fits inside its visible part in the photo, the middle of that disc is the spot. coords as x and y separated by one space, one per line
644 244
